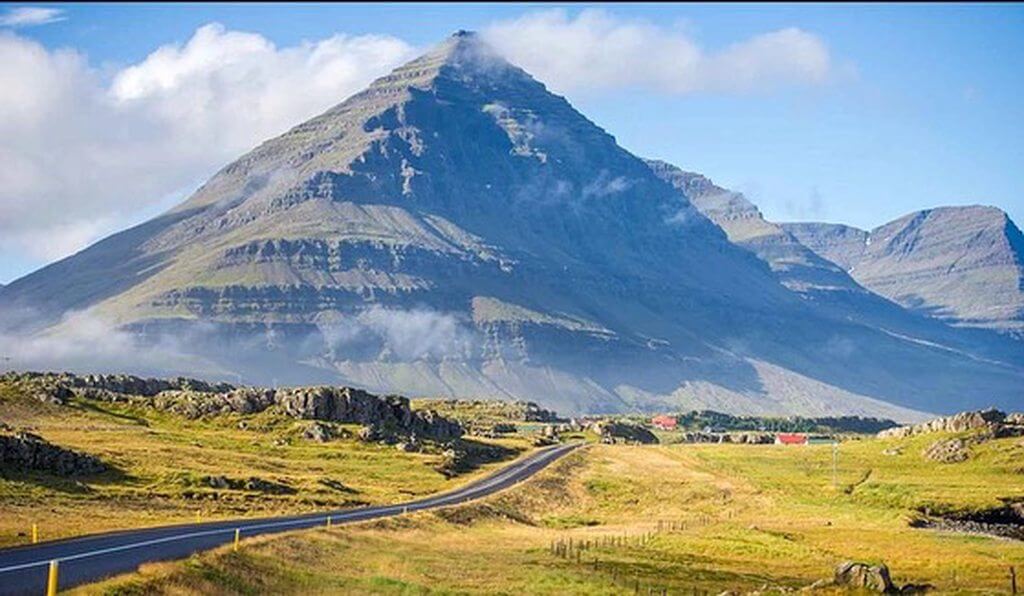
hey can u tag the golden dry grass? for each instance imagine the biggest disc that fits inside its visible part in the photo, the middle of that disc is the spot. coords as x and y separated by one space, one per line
732 518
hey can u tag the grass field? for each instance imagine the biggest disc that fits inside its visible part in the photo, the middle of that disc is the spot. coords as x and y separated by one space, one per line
679 519
161 460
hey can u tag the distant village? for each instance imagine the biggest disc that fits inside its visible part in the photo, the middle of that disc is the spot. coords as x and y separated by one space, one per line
708 426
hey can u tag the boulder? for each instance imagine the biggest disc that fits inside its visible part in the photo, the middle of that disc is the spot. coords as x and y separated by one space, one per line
451 461
371 433
216 482
407 446
755 438
613 431
318 432
947 451
266 486
875 578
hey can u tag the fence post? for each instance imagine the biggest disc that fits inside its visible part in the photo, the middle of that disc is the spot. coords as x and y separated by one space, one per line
1013 580
35 533
51 579
238 533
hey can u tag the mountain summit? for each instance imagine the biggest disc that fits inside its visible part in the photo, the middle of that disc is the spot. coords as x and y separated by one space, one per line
457 229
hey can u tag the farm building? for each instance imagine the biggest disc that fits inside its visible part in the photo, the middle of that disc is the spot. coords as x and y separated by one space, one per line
790 439
664 422
820 440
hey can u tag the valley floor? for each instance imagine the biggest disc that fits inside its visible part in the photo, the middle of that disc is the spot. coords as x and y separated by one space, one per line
656 519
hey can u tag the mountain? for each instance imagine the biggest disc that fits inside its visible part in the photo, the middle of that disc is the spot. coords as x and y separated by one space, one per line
822 283
963 265
457 230
797 267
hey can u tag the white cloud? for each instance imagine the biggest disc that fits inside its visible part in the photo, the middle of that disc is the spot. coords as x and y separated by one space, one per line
83 341
597 51
402 334
30 16
81 155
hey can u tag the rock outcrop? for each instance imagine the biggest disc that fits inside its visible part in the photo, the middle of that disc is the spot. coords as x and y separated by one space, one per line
252 483
1006 521
21 451
992 422
746 438
389 415
947 451
616 431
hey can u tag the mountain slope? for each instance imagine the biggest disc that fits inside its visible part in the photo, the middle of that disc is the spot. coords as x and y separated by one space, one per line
964 265
797 267
456 229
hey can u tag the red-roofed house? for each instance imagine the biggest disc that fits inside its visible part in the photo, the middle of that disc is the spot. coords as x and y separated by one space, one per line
664 422
790 439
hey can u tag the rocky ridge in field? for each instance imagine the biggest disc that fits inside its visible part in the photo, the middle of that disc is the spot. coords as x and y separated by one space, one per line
992 422
23 451
383 417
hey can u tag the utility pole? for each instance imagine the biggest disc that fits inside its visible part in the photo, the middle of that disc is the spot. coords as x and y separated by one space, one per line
835 464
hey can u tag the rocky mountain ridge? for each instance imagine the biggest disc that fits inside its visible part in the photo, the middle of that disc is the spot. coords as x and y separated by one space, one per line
962 265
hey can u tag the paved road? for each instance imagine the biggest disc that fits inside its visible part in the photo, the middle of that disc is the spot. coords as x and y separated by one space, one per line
23 570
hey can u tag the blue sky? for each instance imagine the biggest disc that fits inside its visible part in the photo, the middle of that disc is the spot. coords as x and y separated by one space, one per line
919 106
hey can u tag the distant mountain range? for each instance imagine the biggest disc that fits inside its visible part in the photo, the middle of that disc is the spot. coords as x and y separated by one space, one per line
457 230
963 265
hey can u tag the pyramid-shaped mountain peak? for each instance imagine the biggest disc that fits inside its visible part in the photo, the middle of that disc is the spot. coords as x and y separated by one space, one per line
463 56
456 229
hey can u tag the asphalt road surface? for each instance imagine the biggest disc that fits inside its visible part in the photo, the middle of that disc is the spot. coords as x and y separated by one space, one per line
23 570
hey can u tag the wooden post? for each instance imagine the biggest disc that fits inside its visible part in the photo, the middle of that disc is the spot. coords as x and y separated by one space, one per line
238 533
51 580
198 516
1013 580
35 533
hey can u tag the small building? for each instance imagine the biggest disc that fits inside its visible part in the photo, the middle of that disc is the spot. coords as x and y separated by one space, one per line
821 440
664 422
790 439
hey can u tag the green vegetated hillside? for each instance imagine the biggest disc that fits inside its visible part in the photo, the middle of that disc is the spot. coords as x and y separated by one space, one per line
661 519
